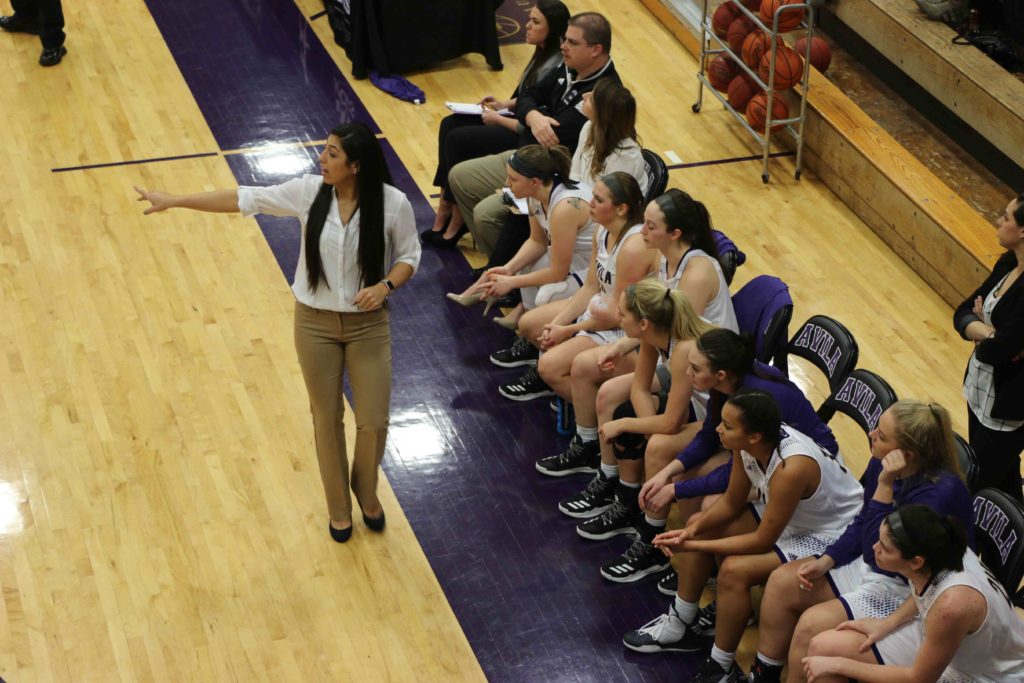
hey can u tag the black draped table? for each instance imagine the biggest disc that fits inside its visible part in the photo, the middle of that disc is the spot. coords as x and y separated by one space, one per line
399 36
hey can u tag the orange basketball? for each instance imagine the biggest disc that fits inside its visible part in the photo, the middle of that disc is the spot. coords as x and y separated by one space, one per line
788 20
740 90
722 18
751 5
721 71
754 45
758 107
821 55
789 67
738 30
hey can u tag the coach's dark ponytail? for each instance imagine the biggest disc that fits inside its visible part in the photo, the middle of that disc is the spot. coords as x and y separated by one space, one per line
363 150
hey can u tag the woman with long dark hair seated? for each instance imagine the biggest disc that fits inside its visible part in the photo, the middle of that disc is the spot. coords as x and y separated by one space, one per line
679 227
464 136
957 626
720 363
589 318
358 245
805 497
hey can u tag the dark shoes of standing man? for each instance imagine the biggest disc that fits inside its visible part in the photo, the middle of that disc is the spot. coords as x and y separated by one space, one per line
51 56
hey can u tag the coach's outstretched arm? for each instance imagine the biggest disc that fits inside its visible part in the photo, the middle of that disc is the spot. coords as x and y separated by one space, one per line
217 201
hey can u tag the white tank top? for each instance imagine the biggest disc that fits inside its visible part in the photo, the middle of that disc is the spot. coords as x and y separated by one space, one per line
719 310
606 259
995 652
584 236
832 507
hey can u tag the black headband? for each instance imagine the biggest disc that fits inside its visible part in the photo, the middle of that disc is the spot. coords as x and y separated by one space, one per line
899 534
525 169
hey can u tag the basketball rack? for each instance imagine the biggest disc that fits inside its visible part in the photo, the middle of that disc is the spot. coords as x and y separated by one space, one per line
711 45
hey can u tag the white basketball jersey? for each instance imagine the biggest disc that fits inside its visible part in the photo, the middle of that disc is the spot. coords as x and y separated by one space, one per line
584 236
719 311
832 507
995 652
606 259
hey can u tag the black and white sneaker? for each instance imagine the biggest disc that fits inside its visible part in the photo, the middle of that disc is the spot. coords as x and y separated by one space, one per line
705 623
617 519
711 672
640 559
669 583
522 352
761 672
659 635
526 388
580 456
593 500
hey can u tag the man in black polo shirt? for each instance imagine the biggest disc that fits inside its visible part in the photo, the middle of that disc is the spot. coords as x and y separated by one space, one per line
549 113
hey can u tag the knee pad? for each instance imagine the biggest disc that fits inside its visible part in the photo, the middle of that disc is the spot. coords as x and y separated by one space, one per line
628 446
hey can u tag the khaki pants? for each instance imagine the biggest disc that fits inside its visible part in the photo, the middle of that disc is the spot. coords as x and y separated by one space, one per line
329 345
474 184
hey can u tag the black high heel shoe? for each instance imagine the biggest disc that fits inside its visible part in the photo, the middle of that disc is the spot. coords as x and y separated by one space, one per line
374 523
429 235
449 242
340 535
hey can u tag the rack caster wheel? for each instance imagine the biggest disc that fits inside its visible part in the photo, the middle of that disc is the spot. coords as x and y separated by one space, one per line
798 175
695 107
764 178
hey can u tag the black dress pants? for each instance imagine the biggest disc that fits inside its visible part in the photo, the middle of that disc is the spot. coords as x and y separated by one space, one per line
998 457
462 137
49 15
514 232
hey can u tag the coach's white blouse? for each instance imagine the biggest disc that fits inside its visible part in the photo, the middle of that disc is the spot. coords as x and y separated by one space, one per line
339 242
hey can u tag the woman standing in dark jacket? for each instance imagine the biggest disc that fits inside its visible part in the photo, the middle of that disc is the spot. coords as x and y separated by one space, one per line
993 318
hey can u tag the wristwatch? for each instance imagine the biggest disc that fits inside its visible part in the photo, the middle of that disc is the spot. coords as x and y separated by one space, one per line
389 284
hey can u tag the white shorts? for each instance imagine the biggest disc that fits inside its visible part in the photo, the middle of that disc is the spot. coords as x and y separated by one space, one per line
849 577
900 647
794 544
600 337
876 597
554 291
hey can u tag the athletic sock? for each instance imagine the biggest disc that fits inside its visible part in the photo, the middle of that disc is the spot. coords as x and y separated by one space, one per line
586 433
687 611
656 523
768 661
610 471
722 658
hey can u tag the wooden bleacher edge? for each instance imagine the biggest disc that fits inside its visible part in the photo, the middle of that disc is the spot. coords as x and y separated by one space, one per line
937 233
961 77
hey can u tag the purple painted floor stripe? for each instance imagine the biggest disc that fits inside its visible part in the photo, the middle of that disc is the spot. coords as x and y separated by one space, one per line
524 587
257 71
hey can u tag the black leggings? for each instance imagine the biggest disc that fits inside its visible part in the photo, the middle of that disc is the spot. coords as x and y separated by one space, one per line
998 457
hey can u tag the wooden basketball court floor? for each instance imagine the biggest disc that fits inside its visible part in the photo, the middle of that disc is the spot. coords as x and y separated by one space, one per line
161 516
